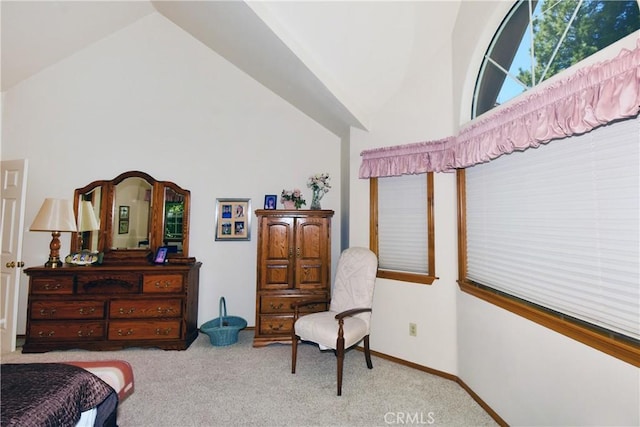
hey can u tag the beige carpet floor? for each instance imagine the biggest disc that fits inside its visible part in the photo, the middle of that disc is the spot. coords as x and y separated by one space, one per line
240 385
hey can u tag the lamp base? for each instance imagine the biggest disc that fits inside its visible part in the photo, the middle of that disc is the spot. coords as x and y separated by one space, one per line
54 262
54 251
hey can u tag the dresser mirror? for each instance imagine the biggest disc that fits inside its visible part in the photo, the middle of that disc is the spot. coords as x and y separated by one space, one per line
129 217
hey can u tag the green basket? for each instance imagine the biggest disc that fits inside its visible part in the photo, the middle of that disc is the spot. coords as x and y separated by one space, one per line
223 330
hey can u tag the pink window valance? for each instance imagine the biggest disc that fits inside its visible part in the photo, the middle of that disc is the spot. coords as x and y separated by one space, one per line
591 97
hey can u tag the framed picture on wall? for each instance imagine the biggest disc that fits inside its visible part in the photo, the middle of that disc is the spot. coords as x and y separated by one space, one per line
123 226
270 201
233 219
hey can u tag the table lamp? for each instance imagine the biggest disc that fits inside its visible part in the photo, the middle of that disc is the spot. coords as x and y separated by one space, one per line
87 220
55 215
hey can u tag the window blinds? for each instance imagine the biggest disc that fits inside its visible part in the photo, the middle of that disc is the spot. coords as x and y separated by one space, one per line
559 226
402 223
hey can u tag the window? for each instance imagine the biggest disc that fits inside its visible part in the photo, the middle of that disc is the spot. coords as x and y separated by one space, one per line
539 39
402 231
552 233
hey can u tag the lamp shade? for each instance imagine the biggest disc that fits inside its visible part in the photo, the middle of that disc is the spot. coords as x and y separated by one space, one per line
87 220
55 215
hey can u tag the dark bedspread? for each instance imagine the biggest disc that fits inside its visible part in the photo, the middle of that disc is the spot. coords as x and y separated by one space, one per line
48 394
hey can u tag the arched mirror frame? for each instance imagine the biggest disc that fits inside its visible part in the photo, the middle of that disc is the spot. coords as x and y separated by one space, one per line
107 211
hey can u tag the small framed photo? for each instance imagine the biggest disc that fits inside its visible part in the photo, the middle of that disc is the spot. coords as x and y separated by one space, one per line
123 226
233 219
123 213
161 255
270 201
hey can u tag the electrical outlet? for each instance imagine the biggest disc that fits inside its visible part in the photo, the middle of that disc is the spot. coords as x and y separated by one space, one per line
413 330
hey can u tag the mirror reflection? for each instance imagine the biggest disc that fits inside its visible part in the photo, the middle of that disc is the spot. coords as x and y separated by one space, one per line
130 226
173 220
89 220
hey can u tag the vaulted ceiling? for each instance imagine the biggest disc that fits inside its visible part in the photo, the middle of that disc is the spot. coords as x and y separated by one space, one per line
335 61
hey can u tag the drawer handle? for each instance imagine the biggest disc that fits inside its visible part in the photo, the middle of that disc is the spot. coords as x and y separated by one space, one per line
276 328
43 334
83 310
167 284
123 311
88 334
121 333
48 287
275 307
47 312
164 310
166 331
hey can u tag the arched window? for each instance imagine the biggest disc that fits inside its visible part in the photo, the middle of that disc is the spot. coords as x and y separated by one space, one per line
540 38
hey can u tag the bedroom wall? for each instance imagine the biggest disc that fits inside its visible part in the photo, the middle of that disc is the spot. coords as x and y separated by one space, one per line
420 110
529 374
152 98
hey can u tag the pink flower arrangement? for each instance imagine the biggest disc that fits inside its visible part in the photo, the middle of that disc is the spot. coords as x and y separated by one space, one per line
294 195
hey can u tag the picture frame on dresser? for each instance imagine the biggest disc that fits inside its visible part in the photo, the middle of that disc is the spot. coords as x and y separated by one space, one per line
161 255
270 201
233 219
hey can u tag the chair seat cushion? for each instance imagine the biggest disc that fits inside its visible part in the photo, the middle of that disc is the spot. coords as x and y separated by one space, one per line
322 328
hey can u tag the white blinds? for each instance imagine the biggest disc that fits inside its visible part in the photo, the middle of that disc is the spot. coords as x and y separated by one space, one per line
559 226
402 223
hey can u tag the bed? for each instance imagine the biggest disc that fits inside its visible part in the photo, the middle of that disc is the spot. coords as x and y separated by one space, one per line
64 394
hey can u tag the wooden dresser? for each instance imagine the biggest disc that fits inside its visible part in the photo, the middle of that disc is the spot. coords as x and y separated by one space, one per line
112 307
294 263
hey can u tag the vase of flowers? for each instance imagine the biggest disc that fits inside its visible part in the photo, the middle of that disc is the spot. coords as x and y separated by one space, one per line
292 199
319 185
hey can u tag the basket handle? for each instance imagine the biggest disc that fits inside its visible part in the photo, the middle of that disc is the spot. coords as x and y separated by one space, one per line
223 306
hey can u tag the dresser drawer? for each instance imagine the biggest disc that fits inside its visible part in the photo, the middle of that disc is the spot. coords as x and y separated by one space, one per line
41 310
142 330
283 304
52 285
162 283
109 283
66 330
276 325
128 309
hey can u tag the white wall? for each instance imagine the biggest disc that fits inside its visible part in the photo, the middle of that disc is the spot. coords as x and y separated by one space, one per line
420 110
152 98
529 374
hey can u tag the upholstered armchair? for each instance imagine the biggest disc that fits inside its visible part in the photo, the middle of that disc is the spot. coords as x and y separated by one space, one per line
347 321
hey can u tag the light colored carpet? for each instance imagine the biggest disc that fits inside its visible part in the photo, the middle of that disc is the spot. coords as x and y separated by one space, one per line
242 385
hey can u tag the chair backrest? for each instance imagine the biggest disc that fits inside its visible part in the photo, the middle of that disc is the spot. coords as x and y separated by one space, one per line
355 281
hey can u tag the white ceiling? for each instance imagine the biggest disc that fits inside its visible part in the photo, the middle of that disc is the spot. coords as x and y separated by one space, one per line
336 61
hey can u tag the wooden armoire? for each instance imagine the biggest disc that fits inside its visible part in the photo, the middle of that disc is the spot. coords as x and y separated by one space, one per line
294 263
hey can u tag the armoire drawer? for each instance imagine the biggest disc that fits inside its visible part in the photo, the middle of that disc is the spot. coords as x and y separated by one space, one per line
145 308
66 330
283 304
142 330
276 325
68 309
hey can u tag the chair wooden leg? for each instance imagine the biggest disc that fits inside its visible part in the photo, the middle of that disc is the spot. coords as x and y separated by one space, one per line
340 359
294 351
367 352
